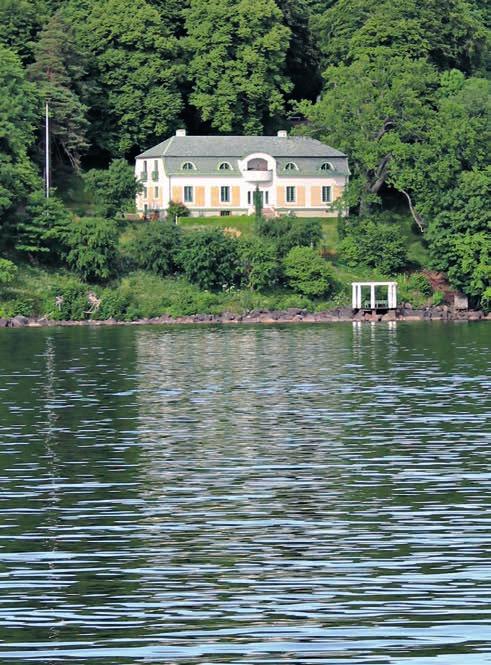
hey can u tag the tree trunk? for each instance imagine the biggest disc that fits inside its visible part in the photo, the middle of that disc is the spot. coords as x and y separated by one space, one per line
416 216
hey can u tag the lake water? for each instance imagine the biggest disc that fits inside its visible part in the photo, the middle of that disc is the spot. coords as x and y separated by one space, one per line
290 494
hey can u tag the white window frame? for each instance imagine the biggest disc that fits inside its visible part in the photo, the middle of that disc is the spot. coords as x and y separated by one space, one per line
293 190
329 198
291 166
188 188
225 166
185 167
223 189
326 166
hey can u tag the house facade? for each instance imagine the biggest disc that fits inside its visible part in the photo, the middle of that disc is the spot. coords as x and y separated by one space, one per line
218 175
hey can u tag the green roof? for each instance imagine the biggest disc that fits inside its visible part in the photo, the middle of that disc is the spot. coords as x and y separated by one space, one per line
240 146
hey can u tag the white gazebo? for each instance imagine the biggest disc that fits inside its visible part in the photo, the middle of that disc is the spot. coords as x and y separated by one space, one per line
358 302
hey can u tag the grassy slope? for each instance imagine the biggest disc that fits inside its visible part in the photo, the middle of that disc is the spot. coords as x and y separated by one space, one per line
147 295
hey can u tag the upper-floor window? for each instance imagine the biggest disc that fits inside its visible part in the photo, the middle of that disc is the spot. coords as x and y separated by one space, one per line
225 194
188 166
291 166
144 192
326 166
225 166
291 194
156 192
257 164
326 195
188 194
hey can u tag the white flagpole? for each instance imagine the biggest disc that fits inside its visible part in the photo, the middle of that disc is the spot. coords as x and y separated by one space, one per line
47 151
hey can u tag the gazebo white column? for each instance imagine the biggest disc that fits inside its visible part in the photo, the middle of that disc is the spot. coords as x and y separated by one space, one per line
356 294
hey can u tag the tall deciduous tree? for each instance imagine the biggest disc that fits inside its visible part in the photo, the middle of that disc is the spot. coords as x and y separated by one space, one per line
20 22
237 63
374 109
114 188
18 118
450 33
137 69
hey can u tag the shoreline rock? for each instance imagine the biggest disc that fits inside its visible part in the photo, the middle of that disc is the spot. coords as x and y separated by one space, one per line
292 315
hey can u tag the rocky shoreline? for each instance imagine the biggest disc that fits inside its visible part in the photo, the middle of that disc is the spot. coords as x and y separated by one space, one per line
292 315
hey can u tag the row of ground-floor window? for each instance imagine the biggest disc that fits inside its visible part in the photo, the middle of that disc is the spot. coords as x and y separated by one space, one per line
189 194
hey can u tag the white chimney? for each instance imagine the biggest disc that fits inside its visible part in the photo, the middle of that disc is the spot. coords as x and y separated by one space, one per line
282 133
180 132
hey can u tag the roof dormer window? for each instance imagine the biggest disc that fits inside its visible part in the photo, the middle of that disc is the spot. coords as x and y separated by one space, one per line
225 166
327 166
291 166
188 166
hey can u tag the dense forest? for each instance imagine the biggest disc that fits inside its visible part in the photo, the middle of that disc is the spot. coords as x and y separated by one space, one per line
403 88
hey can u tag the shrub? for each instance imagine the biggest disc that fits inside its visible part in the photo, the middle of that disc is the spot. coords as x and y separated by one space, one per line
376 245
41 226
288 231
438 298
307 272
92 247
294 301
8 271
210 259
486 300
67 301
175 210
155 247
113 189
114 305
259 263
421 283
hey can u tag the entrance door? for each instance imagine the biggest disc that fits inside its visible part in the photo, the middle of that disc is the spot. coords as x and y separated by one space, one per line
263 197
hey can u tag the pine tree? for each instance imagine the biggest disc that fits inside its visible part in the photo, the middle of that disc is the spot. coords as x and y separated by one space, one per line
59 70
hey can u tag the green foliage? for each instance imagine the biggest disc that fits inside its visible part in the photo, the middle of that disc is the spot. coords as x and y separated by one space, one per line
470 258
307 273
237 63
175 210
486 300
394 95
8 271
58 70
438 298
258 205
20 21
259 263
449 33
40 227
135 59
210 259
92 247
419 282
413 288
67 301
374 244
113 189
288 231
114 305
18 115
155 247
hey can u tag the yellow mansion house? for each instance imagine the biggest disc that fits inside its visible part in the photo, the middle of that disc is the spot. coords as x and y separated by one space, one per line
218 175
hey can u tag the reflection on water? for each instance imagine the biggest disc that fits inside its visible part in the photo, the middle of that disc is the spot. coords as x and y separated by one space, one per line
247 495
